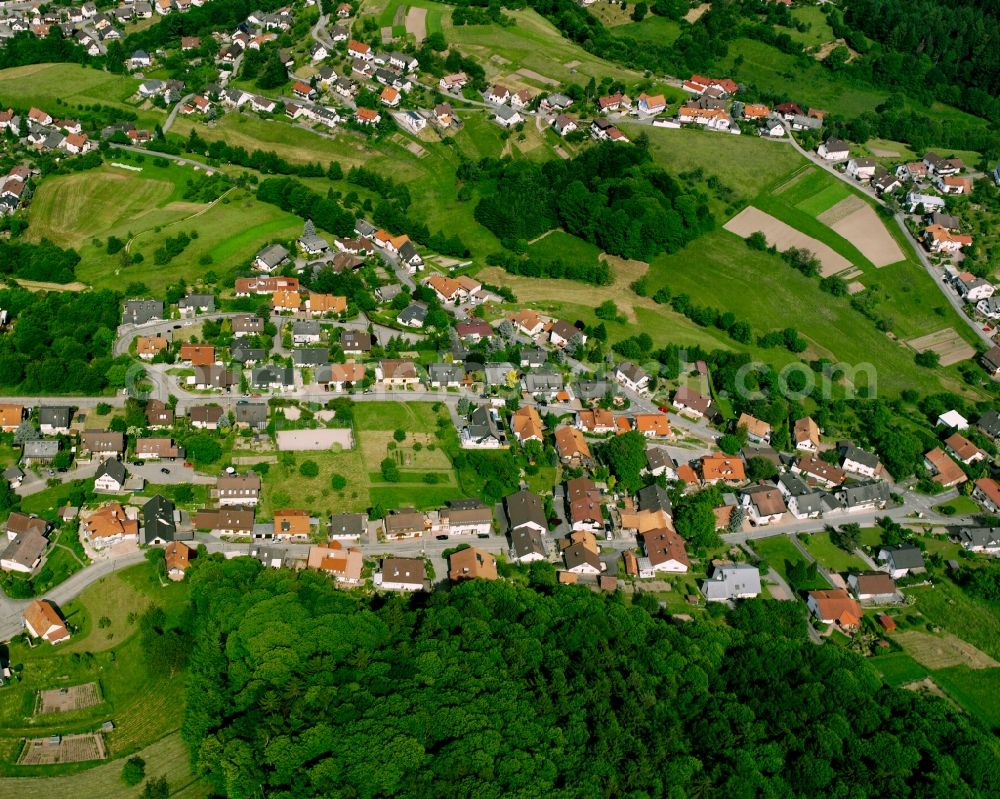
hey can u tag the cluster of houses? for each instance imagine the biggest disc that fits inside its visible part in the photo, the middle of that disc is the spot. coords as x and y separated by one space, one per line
15 186
84 24
46 133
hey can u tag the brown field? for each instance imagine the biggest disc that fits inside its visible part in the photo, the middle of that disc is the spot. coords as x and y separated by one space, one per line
950 346
695 14
530 74
61 700
942 651
750 220
69 749
856 221
416 23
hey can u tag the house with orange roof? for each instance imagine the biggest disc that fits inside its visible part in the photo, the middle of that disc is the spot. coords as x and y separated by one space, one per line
651 104
950 184
319 304
109 525
389 97
366 116
572 446
946 472
835 607
721 468
758 431
526 424
340 374
148 347
177 559
447 289
198 354
41 620
805 435
11 416
755 111
963 449
345 565
987 494
528 322
286 300
291 523
939 239
472 564
356 49
652 425
596 421
395 243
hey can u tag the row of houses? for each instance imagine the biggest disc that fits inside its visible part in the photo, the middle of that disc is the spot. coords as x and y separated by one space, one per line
47 133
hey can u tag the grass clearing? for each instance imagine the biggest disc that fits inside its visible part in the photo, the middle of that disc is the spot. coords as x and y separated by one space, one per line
974 621
819 31
976 690
898 668
781 553
653 29
959 506
831 556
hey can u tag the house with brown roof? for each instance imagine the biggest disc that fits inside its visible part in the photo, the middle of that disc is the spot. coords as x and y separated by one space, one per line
581 559
401 574
572 446
665 550
835 606
238 489
722 468
805 435
405 523
987 494
583 500
690 403
24 551
526 424
472 564
764 504
596 421
158 414
206 417
225 520
148 347
177 559
41 620
157 449
946 472
292 523
103 443
758 431
395 372
109 525
819 471
11 415
874 588
197 354
527 322
346 566
963 449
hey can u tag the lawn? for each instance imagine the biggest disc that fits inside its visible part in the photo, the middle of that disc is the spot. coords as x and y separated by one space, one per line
898 668
780 553
532 43
812 191
65 558
63 88
960 505
415 417
819 31
167 757
564 245
48 501
653 29
830 555
143 706
976 690
285 487
972 620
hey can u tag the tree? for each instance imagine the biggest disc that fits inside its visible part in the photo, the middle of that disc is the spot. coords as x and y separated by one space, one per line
759 468
390 471
695 521
639 12
625 456
203 449
183 494
309 469
927 358
847 536
156 789
399 435
134 771
25 432
338 482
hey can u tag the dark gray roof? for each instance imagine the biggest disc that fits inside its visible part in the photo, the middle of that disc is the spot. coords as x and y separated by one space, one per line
482 426
547 380
591 389
989 423
55 415
139 311
445 372
527 541
859 455
198 301
793 484
41 448
865 494
244 354
311 356
407 252
414 312
113 468
306 327
252 413
352 524
523 508
158 519
905 556
979 536
654 498
264 376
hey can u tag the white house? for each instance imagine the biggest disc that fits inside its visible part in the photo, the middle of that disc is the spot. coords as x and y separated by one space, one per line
833 150
401 574
110 477
861 169
732 581
901 560
632 377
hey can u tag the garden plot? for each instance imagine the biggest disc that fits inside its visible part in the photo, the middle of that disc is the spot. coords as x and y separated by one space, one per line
63 749
750 220
63 700
416 23
948 344
855 220
532 75
315 440
943 651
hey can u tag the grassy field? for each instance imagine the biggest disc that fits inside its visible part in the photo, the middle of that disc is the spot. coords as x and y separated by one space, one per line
898 668
961 505
62 89
143 706
819 31
780 553
532 43
653 29
830 555
975 621
168 757
976 690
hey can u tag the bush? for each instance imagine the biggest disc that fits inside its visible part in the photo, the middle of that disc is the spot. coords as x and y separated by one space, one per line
399 435
390 471
134 771
338 482
309 469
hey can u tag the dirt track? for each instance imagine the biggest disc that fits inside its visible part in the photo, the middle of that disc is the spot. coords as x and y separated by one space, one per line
750 220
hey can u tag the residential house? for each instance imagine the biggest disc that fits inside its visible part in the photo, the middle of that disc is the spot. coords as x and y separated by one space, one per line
632 377
24 549
580 559
583 500
109 525
359 50
192 304
596 421
413 315
310 356
286 300
206 417
651 104
401 574
864 497
901 560
545 383
506 116
247 326
197 354
347 527
963 449
472 564
41 620
405 523
306 331
238 489
989 423
525 512
927 202
39 451
345 566
692 404
651 425
805 435
148 347
475 330
482 430
159 522
665 551
758 431
991 361
355 342
722 468
946 472
937 239
563 334
292 524
270 258
341 376
141 312
526 425
466 518
732 581
110 477
453 83
497 94
819 471
177 559
859 462
833 150
940 167
835 606
572 447
157 449
764 504
214 377
319 304
445 375
874 588
861 169
987 494
972 288
396 373
366 116
103 443
54 419
660 462
564 125
980 539
275 378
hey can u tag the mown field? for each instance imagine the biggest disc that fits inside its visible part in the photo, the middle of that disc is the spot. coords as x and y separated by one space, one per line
62 89
831 556
144 706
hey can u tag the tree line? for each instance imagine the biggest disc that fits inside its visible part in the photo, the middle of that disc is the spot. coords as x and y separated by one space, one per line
297 689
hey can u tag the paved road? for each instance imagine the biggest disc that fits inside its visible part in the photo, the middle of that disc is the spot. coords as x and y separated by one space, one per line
173 112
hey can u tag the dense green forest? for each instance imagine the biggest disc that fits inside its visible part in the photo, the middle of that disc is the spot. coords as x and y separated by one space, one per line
61 342
43 261
609 195
296 689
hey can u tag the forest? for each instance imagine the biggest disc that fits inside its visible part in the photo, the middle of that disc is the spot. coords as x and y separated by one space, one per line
296 689
609 195
43 261
61 342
